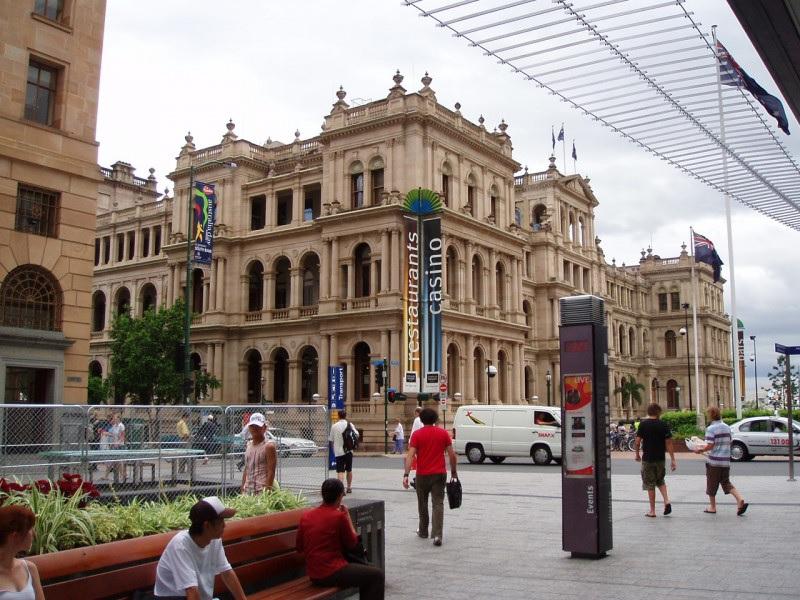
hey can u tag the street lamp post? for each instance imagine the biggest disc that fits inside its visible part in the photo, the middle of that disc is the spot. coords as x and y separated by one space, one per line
491 371
548 377
262 400
684 331
678 394
754 358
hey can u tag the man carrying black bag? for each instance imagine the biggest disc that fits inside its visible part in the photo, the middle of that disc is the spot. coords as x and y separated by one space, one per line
429 445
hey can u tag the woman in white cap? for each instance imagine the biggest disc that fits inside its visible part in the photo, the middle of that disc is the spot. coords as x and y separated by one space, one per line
260 457
194 557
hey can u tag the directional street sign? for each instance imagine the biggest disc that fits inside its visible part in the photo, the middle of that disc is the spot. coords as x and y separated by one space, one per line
781 349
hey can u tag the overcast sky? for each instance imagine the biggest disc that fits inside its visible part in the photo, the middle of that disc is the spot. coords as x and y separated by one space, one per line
274 67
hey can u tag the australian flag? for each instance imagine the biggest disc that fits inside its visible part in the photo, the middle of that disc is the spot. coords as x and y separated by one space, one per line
732 74
704 251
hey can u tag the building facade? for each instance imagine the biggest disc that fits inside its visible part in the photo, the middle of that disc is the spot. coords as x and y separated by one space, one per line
307 263
48 195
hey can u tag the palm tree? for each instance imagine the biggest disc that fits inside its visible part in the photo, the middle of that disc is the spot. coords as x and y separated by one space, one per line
630 390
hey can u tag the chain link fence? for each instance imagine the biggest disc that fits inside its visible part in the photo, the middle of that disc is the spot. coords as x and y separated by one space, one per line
150 451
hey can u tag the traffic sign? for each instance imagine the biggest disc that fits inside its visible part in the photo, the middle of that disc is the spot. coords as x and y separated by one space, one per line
781 349
394 362
443 400
443 387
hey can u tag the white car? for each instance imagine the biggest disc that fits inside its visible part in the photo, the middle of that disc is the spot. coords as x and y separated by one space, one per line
291 446
757 436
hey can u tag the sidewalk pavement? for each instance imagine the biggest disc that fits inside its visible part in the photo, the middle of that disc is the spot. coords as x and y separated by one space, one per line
505 541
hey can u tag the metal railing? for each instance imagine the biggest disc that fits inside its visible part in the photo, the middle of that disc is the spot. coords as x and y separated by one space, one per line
146 451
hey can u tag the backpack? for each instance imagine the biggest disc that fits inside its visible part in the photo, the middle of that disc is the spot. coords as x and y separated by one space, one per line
350 438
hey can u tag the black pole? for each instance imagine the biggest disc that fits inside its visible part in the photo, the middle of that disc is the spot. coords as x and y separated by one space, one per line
688 362
755 366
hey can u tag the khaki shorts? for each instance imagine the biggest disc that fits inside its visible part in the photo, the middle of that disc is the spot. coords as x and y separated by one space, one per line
653 474
716 477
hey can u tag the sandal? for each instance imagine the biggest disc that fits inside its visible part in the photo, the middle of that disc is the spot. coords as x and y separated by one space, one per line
668 508
741 510
710 512
649 515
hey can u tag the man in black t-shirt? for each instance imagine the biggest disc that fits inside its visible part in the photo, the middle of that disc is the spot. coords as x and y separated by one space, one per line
655 436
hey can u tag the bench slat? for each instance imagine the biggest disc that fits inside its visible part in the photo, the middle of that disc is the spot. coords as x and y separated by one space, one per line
295 590
261 547
110 584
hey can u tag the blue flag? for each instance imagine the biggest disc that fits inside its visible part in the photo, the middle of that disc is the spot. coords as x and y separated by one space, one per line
704 251
574 152
732 74
561 134
553 135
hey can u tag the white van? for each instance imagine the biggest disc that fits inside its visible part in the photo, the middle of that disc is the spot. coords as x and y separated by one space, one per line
498 431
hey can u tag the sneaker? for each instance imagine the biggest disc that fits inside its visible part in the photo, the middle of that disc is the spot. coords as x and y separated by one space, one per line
437 541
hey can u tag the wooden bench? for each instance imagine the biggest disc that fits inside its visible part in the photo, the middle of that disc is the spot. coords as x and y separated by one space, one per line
261 550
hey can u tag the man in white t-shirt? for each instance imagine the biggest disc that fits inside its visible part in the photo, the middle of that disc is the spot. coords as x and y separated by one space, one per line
344 457
193 558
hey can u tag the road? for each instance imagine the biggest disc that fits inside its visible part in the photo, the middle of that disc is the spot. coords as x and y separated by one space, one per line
621 464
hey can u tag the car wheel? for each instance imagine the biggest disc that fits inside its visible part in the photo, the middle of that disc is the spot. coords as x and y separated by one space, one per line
738 452
541 455
475 454
497 459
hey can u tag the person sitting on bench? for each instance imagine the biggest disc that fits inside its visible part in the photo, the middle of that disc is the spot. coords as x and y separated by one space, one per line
194 557
323 535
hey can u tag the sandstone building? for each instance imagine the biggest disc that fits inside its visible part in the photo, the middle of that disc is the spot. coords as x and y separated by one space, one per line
307 254
50 63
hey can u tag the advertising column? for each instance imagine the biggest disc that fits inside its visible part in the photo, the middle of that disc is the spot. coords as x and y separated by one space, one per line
586 456
336 401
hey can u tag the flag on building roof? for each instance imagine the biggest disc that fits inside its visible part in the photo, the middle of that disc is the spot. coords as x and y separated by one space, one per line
704 251
553 135
561 134
731 73
574 152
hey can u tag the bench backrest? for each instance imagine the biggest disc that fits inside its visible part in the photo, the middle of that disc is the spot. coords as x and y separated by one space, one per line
261 550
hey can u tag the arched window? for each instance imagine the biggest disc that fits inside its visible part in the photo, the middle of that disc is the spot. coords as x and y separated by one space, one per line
502 380
253 360
255 287
447 174
479 380
472 194
310 275
95 369
673 400
528 383
621 340
526 308
280 375
361 354
147 298
309 373
31 298
537 217
98 311
282 282
645 343
632 342
376 180
197 291
670 345
494 203
357 185
452 368
362 257
122 303
500 285
452 273
477 280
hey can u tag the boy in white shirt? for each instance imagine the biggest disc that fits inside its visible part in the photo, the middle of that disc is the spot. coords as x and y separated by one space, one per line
194 557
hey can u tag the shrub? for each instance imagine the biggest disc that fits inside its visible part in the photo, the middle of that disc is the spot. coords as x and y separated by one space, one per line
687 431
678 419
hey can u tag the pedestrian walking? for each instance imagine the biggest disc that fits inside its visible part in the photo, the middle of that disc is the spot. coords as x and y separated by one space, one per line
656 437
194 557
399 438
260 457
324 534
19 578
429 445
184 435
344 439
718 462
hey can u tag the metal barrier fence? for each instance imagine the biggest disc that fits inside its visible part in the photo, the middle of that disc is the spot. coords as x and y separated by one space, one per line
146 451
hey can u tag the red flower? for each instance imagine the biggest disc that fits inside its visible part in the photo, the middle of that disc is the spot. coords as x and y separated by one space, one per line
44 486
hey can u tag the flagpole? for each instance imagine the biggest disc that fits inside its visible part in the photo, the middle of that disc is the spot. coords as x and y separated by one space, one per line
734 321
694 327
563 148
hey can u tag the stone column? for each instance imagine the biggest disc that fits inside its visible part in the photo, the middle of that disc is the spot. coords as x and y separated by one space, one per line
351 279
324 363
219 361
517 372
297 209
469 299
294 382
270 290
395 351
241 396
220 283
373 276
270 209
325 271
268 375
494 389
468 393
334 350
206 293
244 294
385 258
397 259
209 366
294 287
385 350
334 268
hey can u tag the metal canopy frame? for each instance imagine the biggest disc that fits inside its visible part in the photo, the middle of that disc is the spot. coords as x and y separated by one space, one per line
650 74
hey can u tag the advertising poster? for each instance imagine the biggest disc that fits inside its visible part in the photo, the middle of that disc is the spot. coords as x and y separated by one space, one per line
411 364
336 400
432 294
577 426
204 201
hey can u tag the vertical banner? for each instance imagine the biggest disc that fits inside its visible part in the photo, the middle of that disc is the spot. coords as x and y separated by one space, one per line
204 201
412 307
336 400
740 354
578 440
432 297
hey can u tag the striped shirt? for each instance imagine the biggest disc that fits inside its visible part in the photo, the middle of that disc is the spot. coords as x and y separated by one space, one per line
719 434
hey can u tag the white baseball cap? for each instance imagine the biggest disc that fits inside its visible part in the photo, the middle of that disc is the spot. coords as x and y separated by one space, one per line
256 419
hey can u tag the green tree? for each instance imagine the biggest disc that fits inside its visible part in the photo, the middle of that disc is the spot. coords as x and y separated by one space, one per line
99 390
631 390
143 354
777 379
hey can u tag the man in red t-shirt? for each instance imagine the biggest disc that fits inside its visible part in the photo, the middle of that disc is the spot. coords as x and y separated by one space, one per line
428 445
